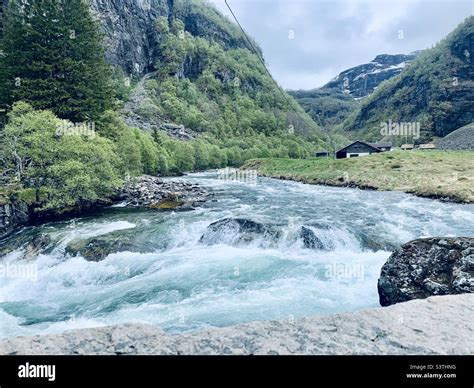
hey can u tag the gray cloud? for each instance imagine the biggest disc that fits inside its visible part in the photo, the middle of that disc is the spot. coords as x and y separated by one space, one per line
308 42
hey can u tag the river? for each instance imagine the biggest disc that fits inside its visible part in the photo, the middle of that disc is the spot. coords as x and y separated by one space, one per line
185 285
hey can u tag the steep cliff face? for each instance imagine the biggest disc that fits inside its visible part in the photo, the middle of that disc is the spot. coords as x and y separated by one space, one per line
130 36
195 71
133 42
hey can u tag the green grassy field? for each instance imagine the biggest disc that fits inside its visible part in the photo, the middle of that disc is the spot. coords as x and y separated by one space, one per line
435 174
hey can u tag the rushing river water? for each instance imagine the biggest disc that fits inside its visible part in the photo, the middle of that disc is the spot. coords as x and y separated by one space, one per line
186 285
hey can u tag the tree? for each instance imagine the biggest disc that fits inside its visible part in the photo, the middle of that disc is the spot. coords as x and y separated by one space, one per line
69 168
53 58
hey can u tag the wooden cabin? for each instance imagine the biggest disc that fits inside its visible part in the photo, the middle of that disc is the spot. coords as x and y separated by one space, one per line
359 148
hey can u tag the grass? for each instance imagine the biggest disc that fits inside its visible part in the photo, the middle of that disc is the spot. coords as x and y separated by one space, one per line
446 175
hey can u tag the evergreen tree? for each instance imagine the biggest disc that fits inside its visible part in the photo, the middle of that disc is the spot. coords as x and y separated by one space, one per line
53 58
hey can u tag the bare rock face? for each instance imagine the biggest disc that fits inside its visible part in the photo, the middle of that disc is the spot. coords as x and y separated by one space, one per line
437 325
131 39
426 267
130 35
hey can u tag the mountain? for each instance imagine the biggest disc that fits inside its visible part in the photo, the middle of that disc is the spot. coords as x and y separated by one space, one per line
360 81
327 107
435 91
188 91
131 37
193 71
331 104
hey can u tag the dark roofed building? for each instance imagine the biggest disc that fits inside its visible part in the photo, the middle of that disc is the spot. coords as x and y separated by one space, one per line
382 146
358 148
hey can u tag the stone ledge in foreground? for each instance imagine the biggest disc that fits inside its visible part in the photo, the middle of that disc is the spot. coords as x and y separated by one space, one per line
436 325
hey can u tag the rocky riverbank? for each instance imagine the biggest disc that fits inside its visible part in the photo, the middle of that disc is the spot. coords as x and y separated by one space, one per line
142 192
437 325
155 193
13 215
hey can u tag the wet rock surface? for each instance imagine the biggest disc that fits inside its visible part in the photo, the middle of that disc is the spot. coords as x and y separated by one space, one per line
99 247
426 267
31 245
310 240
238 231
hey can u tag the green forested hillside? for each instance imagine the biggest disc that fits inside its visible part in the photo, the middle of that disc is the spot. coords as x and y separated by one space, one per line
205 77
435 90
328 107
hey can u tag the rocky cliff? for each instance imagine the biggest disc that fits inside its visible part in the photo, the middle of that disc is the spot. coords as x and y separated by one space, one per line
131 37
129 31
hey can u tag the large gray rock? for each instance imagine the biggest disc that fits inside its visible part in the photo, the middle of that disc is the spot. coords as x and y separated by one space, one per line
99 247
437 325
425 267
238 231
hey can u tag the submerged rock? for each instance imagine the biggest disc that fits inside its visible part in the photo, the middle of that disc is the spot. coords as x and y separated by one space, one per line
376 243
238 231
428 266
31 245
99 247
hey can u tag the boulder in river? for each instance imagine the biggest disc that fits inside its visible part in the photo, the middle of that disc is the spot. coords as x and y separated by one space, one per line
238 231
310 240
426 267
99 247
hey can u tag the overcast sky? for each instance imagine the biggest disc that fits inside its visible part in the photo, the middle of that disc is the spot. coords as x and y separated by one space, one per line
308 42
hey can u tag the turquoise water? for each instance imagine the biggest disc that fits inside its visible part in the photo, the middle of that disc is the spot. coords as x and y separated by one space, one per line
184 285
